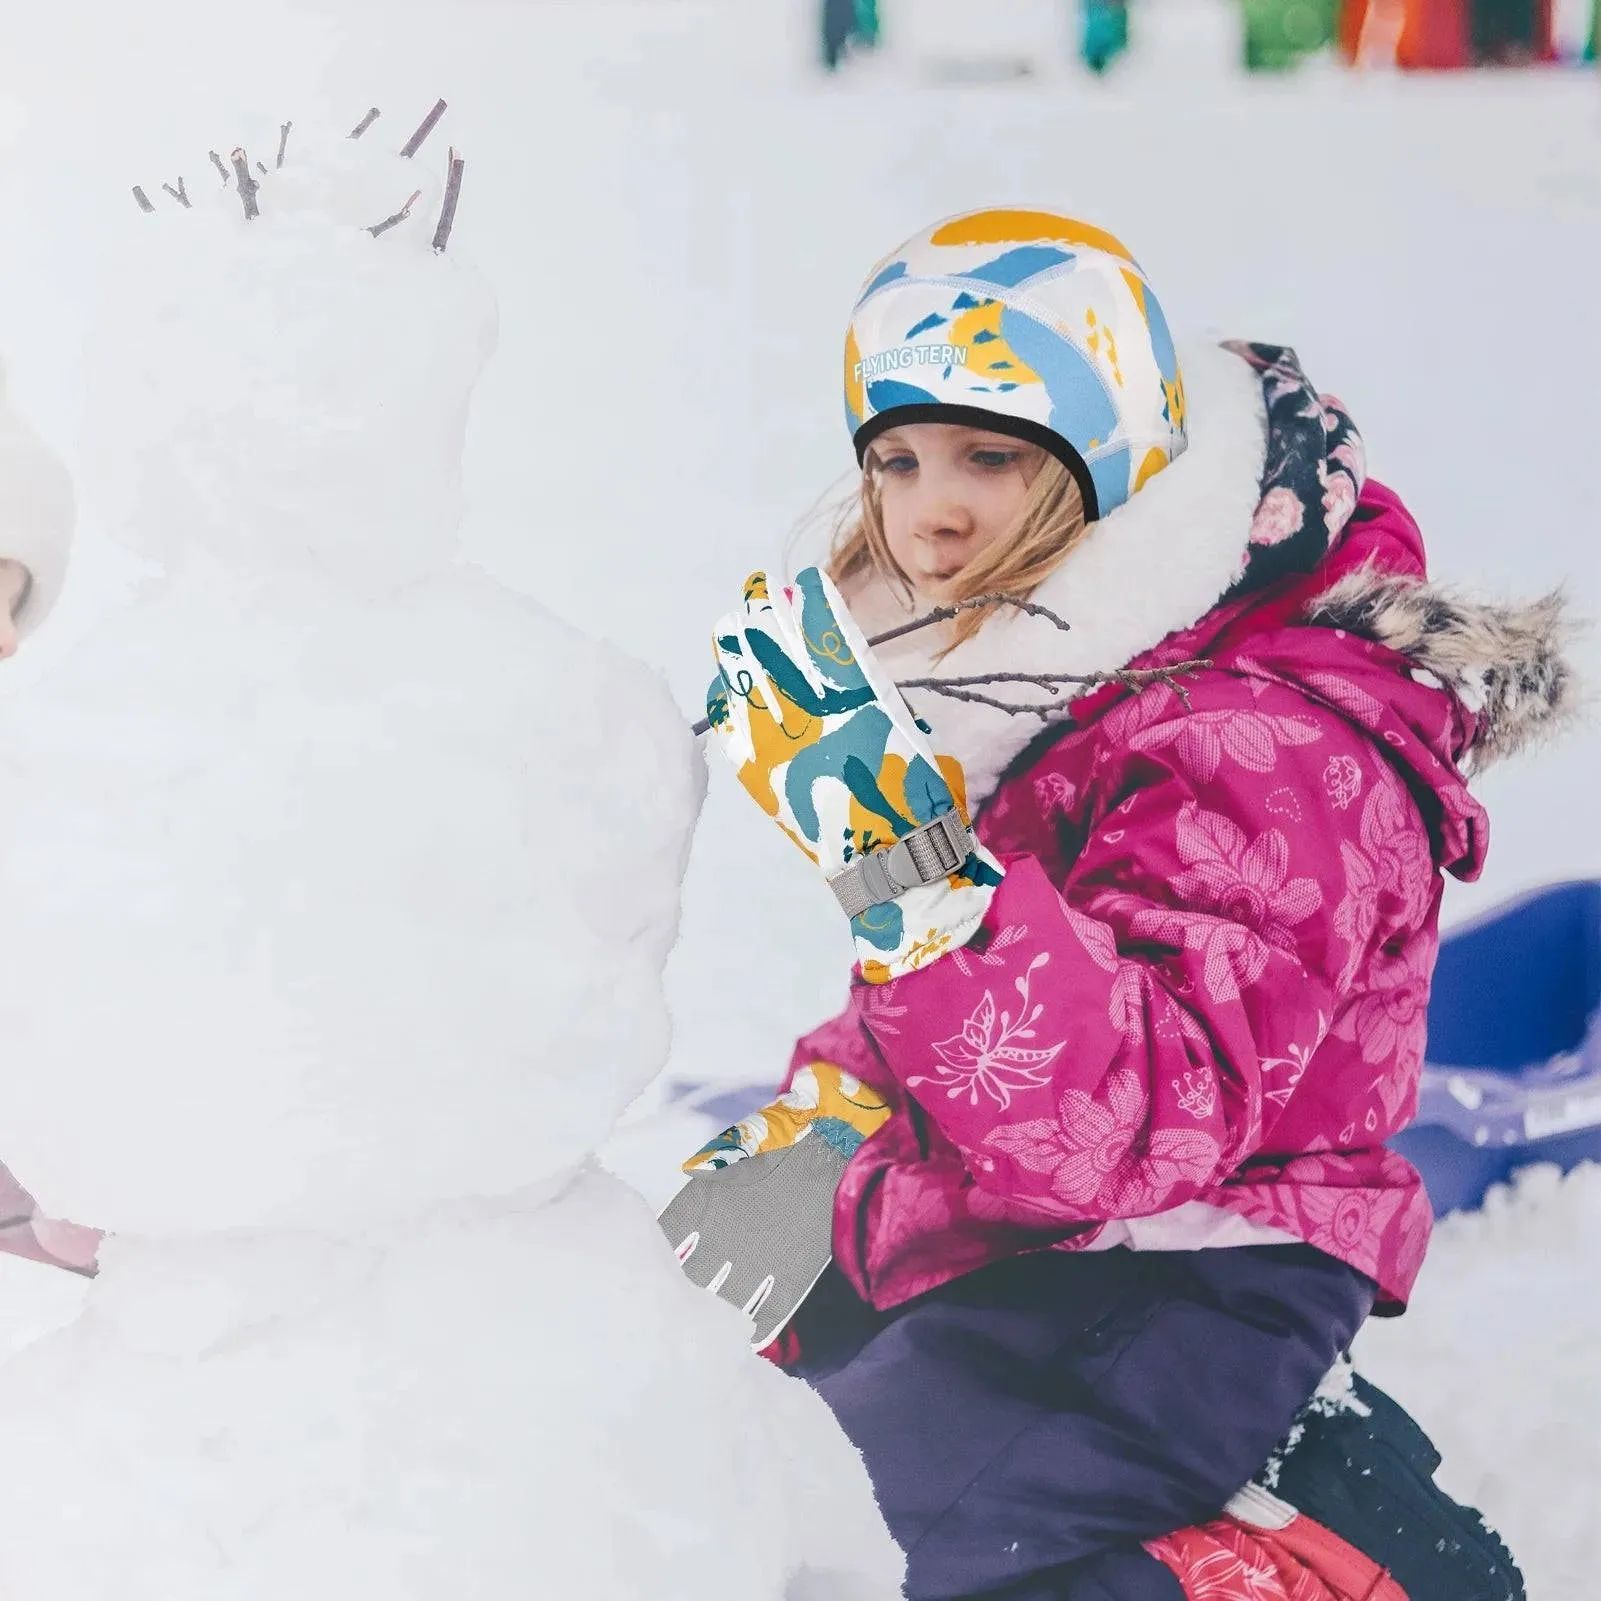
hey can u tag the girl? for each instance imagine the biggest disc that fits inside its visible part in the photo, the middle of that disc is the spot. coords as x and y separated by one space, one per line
1110 1095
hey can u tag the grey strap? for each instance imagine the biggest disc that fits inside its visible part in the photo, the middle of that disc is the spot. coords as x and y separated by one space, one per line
924 856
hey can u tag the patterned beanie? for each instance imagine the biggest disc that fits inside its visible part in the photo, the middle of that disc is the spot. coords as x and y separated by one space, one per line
1026 322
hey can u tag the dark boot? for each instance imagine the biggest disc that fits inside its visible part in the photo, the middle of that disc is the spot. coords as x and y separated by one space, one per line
1357 1464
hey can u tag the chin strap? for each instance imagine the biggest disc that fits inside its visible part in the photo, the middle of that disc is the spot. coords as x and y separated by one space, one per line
924 856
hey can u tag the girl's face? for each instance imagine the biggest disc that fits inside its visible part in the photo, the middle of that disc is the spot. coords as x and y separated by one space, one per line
947 493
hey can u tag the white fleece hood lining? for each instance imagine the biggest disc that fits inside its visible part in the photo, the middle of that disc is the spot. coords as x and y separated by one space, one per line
1156 564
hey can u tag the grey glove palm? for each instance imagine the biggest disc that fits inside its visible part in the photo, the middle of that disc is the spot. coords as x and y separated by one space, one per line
760 1232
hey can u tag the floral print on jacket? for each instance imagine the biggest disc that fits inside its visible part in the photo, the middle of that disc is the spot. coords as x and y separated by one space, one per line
1205 975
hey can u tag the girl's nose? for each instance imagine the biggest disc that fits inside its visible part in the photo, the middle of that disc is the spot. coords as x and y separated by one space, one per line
942 511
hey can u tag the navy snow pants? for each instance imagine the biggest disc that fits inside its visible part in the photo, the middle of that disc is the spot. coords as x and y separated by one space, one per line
1028 1426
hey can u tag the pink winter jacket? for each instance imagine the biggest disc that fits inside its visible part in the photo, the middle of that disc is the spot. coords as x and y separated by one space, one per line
1196 1009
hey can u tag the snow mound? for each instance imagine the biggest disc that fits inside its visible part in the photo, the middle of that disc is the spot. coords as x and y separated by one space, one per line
1496 1358
338 878
507 1403
338 885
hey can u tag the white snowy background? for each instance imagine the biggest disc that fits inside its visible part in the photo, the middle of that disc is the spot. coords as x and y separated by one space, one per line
674 215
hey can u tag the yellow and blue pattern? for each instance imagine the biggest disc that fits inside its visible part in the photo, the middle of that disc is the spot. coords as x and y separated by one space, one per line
823 1102
829 750
1032 317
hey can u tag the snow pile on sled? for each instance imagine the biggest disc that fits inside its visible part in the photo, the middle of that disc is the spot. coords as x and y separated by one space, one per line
338 881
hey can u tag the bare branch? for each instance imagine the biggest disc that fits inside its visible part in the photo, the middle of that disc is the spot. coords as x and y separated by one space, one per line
1043 712
261 167
383 227
1135 679
447 212
247 184
943 614
216 161
283 141
424 128
143 199
180 194
365 123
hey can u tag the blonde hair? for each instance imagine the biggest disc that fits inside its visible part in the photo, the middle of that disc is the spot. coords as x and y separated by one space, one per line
1049 525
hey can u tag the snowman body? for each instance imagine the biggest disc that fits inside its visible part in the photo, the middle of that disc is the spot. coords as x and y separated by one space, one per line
338 882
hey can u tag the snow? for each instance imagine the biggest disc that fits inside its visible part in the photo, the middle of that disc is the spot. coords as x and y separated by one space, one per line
335 859
674 218
339 881
1497 1359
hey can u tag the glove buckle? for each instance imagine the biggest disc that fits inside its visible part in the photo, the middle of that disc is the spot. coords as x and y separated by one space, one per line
924 856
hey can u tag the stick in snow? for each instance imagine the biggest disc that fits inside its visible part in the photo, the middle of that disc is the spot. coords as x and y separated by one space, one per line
447 212
283 141
143 199
400 216
247 184
365 123
216 161
180 194
426 127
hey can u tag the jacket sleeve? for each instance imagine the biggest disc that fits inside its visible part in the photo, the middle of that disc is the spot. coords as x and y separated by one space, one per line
1103 1047
844 1041
25 1232
36 512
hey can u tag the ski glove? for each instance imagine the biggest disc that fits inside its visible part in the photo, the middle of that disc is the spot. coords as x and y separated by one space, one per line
755 1223
822 1101
827 748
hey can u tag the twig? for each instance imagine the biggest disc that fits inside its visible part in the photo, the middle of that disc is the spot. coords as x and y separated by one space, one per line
143 199
180 194
247 184
261 167
424 128
943 614
1135 679
216 161
400 216
365 123
447 212
283 141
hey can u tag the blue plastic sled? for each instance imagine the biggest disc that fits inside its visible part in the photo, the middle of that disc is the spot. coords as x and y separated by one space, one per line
1512 1074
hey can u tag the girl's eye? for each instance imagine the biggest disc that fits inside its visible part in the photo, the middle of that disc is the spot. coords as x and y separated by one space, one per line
996 459
899 464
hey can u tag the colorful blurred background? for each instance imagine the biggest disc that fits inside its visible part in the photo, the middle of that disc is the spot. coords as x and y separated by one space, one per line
1274 35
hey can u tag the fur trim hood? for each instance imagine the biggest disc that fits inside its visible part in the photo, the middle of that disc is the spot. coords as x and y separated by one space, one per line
1508 663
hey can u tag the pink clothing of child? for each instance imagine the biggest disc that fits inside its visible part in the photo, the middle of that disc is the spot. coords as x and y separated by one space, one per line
1197 1007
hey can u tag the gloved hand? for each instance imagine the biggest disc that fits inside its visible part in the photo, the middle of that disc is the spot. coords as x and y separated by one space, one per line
822 1101
829 750
755 1223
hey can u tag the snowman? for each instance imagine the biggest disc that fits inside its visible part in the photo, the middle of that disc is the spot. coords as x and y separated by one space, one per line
337 883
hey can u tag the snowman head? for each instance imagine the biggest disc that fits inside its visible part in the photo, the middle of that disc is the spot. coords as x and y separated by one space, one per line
289 391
